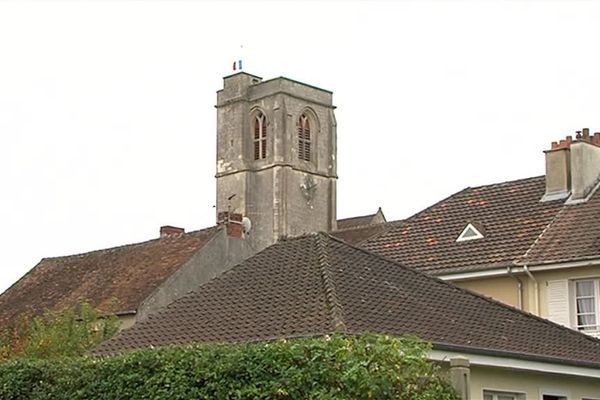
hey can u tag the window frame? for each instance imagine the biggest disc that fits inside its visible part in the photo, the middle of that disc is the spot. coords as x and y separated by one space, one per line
557 395
495 393
470 227
588 329
259 136
305 136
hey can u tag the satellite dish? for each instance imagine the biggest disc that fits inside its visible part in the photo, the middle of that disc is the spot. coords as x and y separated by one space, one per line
246 225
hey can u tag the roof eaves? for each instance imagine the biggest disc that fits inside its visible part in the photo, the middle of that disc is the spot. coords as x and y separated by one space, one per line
516 355
541 262
488 299
468 269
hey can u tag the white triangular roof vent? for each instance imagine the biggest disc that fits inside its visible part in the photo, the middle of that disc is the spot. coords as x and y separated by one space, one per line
469 233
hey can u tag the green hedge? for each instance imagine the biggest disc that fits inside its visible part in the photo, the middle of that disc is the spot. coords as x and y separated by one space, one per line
336 367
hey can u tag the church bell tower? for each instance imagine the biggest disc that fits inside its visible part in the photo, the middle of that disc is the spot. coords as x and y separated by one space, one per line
276 156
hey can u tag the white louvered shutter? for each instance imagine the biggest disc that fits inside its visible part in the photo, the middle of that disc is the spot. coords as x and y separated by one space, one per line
558 302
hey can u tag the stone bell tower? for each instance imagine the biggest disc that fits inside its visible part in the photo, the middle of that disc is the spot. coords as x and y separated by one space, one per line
276 156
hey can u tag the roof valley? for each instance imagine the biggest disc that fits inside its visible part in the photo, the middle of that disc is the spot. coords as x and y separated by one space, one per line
541 235
333 301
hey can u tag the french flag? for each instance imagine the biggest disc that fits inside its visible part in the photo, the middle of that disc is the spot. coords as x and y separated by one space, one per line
237 65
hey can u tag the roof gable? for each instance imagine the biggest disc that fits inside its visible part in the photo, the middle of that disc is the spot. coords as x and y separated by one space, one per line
317 284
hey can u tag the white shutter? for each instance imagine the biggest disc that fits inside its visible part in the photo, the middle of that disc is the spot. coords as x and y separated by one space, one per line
558 302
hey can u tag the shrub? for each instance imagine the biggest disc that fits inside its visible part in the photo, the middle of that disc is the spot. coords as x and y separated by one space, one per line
67 333
336 367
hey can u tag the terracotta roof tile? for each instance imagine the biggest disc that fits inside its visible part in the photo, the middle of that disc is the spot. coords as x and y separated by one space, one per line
317 284
113 280
509 214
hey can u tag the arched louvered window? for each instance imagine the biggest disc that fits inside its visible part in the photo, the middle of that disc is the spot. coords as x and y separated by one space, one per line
304 138
260 136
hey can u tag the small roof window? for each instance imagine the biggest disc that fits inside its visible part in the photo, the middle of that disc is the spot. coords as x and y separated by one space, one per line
469 233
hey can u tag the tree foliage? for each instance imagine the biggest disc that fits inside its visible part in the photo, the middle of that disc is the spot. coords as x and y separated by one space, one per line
57 334
336 367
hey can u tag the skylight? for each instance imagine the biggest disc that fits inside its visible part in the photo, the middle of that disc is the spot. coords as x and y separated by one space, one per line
469 233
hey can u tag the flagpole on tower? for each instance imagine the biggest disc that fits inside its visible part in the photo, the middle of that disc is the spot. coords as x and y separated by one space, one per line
237 65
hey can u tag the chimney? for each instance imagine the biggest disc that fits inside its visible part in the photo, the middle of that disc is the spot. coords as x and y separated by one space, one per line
558 170
169 230
573 167
232 222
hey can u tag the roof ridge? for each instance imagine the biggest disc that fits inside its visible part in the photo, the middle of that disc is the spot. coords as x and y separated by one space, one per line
335 305
386 227
487 299
124 246
357 217
531 178
467 189
351 228
423 211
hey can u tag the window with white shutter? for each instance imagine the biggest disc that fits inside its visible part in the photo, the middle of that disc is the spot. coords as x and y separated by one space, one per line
558 302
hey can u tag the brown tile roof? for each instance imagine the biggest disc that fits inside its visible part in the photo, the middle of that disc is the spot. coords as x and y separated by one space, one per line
316 284
114 280
353 222
510 216
360 221
573 235
359 234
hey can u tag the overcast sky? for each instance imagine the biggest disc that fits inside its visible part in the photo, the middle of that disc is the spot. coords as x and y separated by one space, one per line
107 119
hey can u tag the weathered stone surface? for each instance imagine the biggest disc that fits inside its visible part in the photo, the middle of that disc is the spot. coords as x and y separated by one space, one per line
282 194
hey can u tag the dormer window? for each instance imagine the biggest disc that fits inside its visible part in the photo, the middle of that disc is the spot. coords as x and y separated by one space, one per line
304 138
260 136
469 233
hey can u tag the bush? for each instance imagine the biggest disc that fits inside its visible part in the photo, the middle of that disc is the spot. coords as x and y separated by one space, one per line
67 333
336 367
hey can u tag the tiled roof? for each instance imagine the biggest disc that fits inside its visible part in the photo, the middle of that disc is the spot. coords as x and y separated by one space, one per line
113 280
360 234
361 221
354 222
316 284
573 235
509 215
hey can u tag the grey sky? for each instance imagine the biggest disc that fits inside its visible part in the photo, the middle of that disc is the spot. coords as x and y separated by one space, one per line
107 119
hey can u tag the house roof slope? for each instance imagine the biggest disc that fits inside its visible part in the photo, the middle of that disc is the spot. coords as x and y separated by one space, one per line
509 215
317 284
112 280
359 234
360 221
353 222
573 235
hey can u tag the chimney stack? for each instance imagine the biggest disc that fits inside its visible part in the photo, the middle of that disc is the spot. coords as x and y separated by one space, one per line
232 222
558 170
573 167
169 230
